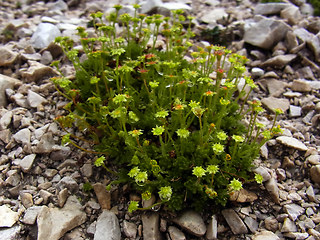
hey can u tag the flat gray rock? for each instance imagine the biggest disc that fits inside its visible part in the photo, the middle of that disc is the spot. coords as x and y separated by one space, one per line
150 224
292 142
279 61
26 162
293 210
270 8
53 223
192 222
265 33
8 217
44 35
265 235
107 227
234 221
271 103
12 233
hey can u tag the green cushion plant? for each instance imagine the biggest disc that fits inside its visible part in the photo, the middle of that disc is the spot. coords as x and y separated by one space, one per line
167 120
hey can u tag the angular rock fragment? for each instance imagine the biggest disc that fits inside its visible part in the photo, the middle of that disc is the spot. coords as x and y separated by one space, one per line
53 223
8 217
265 33
234 221
107 227
150 223
292 142
192 222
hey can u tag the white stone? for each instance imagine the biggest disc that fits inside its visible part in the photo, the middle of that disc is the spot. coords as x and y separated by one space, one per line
44 35
5 120
214 15
53 223
292 142
265 235
8 217
26 162
107 227
34 99
23 136
265 33
295 111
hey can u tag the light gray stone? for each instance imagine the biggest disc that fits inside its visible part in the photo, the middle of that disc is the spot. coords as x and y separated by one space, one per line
214 15
212 228
272 103
5 120
44 35
27 162
234 221
31 215
251 224
107 227
293 210
265 235
150 5
279 61
69 183
150 224
295 111
270 8
265 33
34 99
176 234
8 217
288 226
300 86
129 229
192 222
272 187
292 142
310 194
291 14
37 71
257 72
46 144
12 233
23 136
53 223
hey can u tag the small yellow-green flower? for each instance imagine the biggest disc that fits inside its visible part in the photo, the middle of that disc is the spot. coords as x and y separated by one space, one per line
94 80
183 133
133 206
99 161
154 84
165 193
134 172
141 177
158 130
162 114
221 135
218 148
235 185
120 98
224 101
212 169
258 178
133 116
198 172
146 195
237 138
136 132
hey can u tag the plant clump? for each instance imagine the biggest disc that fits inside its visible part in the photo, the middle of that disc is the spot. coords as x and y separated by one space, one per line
167 117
